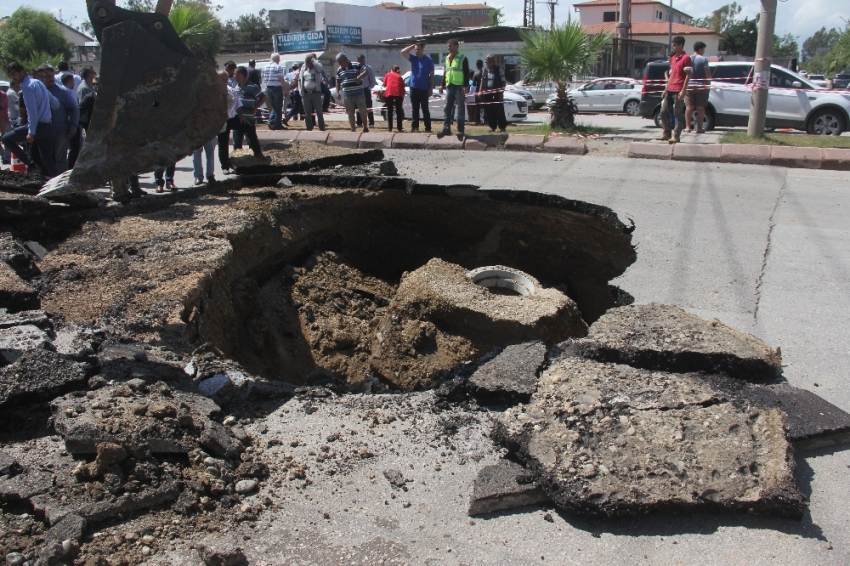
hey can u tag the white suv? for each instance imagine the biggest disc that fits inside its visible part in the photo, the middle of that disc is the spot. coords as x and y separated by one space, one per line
793 102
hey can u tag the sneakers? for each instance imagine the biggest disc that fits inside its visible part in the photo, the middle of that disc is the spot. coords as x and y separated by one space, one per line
674 139
444 133
199 181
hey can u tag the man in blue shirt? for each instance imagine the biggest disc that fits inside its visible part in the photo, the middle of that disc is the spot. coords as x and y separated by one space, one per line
421 83
39 129
66 117
250 98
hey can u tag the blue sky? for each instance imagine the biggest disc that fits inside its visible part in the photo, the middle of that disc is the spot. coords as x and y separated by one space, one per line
799 17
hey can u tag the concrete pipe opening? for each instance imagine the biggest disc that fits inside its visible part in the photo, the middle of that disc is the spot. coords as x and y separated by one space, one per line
501 280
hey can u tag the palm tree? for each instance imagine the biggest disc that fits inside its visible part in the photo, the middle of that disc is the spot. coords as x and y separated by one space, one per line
195 24
555 56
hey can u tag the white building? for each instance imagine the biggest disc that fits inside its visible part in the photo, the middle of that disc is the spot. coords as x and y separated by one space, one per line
649 22
376 24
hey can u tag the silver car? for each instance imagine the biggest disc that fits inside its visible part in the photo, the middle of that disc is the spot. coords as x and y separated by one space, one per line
610 94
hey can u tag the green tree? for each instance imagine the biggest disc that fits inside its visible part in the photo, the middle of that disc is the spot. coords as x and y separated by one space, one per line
720 19
30 32
249 28
820 41
196 25
741 37
497 17
555 56
785 46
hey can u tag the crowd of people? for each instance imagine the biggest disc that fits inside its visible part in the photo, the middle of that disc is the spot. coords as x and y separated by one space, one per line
49 110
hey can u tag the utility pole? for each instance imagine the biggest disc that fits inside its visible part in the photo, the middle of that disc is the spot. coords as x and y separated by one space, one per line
761 68
670 29
528 14
551 4
623 25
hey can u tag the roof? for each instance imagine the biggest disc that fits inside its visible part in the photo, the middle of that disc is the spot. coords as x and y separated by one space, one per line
616 3
652 28
388 5
454 7
479 34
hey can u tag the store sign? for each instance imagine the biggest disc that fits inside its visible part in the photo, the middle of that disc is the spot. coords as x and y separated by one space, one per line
346 35
299 41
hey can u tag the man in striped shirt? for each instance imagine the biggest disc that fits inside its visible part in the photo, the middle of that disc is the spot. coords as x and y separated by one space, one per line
276 89
349 79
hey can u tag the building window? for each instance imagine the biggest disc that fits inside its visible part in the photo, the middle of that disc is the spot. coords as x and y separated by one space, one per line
609 16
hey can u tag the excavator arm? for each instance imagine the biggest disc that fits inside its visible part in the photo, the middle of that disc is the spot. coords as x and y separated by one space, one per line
158 101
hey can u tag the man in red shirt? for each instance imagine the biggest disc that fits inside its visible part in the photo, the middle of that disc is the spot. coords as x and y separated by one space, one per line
681 67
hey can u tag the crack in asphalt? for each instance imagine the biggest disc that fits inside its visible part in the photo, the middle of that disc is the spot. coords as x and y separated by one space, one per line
770 226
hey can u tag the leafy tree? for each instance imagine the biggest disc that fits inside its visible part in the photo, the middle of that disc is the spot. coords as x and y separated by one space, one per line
821 41
497 17
249 28
557 55
741 37
30 32
720 19
785 46
140 5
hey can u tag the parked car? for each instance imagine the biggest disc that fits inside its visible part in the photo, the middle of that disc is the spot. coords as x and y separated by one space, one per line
818 80
841 80
539 91
793 102
611 94
516 106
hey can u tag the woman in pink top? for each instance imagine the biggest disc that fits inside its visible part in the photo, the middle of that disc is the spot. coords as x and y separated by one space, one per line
394 94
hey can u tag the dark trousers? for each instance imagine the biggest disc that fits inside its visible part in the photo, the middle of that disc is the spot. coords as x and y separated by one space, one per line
395 103
74 146
297 107
473 112
495 112
43 141
169 175
371 118
236 125
326 93
419 99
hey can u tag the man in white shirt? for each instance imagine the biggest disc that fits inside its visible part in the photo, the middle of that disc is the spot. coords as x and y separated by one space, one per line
310 87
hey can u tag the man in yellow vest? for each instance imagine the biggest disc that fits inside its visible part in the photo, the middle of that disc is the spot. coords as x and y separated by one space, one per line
455 80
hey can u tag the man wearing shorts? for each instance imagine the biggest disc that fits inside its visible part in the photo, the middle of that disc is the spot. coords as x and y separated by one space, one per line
699 88
349 80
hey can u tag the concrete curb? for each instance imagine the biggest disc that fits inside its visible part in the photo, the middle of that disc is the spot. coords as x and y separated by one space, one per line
836 159
407 140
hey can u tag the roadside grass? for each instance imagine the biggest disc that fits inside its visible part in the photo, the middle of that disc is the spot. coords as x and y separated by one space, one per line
790 140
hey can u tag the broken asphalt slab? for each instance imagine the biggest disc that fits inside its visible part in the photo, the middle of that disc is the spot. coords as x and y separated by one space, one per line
510 376
40 374
502 486
612 440
665 337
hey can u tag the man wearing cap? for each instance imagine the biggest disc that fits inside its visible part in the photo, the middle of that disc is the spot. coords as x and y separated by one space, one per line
455 79
276 89
349 82
39 127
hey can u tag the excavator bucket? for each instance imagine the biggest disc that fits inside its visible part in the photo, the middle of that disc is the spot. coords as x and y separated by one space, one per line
158 101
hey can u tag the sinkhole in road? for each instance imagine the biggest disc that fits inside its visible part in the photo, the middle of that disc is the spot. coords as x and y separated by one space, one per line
404 287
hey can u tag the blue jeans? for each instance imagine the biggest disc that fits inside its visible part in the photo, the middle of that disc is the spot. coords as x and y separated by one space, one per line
197 160
454 95
43 141
275 94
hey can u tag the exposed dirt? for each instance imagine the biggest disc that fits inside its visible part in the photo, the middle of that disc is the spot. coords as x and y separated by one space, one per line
284 153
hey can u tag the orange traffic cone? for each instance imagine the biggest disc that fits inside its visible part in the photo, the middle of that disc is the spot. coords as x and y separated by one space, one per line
17 165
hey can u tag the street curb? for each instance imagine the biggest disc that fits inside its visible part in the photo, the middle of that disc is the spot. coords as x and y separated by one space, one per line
407 140
834 159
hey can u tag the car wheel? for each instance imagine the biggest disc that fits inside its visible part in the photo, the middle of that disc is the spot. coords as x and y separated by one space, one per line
826 122
632 107
656 117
